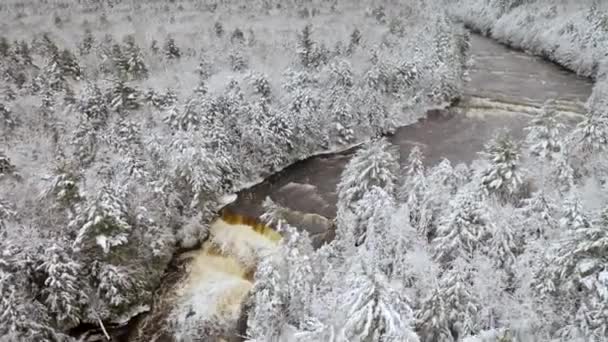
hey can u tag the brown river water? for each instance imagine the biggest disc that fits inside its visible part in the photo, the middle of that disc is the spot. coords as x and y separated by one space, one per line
503 84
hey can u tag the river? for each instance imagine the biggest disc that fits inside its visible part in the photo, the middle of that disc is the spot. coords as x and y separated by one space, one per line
505 89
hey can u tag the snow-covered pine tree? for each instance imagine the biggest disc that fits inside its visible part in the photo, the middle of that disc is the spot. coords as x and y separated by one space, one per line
545 135
539 215
338 101
7 168
204 68
414 193
237 36
451 312
238 61
23 53
573 214
122 97
376 164
6 213
102 222
218 29
63 185
267 321
261 86
505 235
504 176
8 121
22 317
127 136
115 286
355 40
68 64
432 321
562 175
371 309
87 42
134 61
579 274
591 135
462 228
310 54
171 50
283 288
5 47
84 142
119 62
161 101
385 243
62 291
92 104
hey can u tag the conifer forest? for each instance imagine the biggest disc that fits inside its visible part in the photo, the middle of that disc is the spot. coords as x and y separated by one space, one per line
304 170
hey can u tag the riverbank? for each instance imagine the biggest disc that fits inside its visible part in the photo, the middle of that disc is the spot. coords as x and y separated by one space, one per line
571 34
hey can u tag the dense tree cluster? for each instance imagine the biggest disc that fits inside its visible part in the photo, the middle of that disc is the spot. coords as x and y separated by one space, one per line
107 166
484 260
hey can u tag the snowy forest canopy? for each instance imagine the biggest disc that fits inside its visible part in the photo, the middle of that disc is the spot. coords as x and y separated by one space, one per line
119 140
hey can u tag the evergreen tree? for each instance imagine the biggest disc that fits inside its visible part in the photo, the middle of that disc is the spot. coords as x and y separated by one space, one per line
203 69
120 62
115 286
504 175
462 229
93 105
311 56
7 168
373 310
432 321
355 40
102 222
283 288
237 37
591 135
171 50
451 312
384 242
62 292
84 142
218 29
154 47
237 60
8 121
6 214
128 135
122 97
261 86
415 193
134 62
63 185
562 176
22 317
87 42
539 215
545 136
68 64
375 164
5 47
578 272
505 238
23 54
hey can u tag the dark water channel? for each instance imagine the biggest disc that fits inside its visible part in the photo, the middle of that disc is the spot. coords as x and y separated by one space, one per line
499 75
